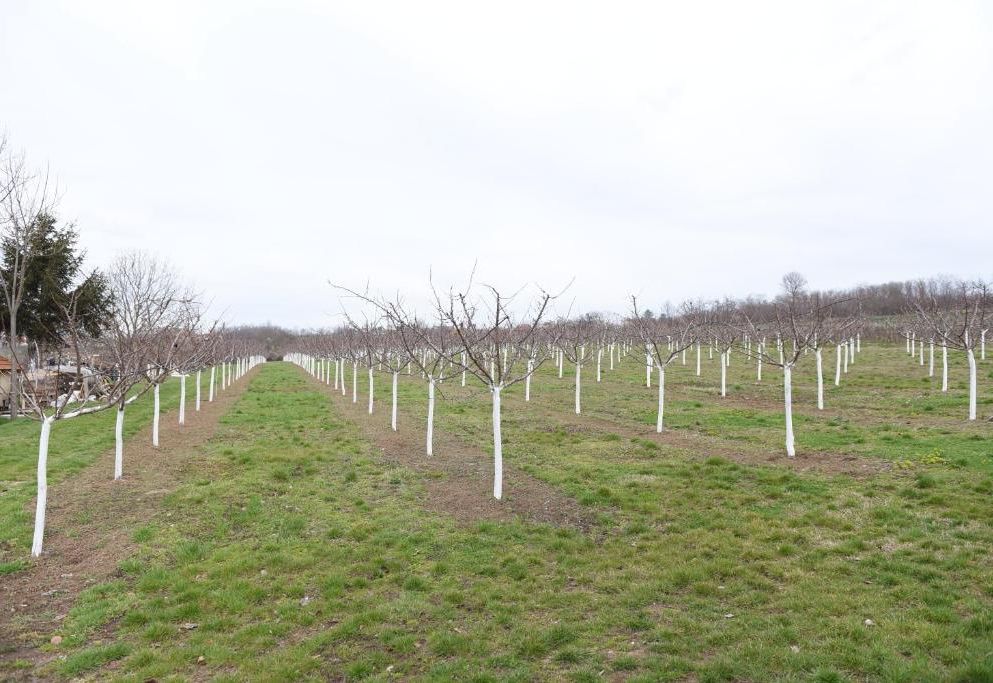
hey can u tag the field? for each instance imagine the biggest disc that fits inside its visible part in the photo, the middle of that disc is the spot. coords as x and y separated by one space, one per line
302 538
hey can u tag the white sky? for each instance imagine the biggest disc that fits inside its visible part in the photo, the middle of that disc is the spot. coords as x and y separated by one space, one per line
666 149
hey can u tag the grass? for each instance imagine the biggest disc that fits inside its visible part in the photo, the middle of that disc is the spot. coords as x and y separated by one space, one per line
74 444
292 551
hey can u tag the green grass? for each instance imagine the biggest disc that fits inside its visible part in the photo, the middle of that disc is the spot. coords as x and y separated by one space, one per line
73 445
298 553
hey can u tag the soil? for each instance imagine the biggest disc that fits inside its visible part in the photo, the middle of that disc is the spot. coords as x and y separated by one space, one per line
89 526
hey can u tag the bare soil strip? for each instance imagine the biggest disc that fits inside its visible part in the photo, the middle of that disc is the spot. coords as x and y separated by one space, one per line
90 522
459 477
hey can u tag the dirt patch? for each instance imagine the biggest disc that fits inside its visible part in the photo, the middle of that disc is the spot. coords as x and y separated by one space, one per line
458 478
90 522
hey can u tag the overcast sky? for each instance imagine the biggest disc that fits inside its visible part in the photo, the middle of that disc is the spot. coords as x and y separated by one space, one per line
666 149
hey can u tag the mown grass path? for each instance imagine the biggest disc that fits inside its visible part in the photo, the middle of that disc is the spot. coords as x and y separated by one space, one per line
293 549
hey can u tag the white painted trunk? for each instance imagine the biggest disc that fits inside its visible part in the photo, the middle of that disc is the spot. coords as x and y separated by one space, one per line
210 391
837 367
930 364
370 390
758 363
42 500
182 399
659 424
430 434
788 400
155 417
820 378
198 392
724 374
648 371
972 383
578 408
844 357
527 381
497 446
355 382
393 418
599 357
922 353
944 367
119 444
336 375
698 359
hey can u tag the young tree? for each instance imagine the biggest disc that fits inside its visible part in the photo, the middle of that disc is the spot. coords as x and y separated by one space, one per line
799 319
955 312
666 338
25 200
483 322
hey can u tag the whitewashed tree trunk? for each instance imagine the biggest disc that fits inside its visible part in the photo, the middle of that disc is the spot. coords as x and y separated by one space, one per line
210 391
430 434
922 353
982 344
578 370
724 374
837 367
336 374
944 367
972 383
684 357
612 345
182 399
599 358
355 382
698 359
370 389
463 368
42 500
820 378
758 363
844 357
119 444
561 357
930 364
393 419
198 392
497 446
527 380
788 400
224 381
659 422
648 370
155 416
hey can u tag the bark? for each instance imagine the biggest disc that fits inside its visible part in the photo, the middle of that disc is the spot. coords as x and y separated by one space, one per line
182 399
155 416
210 391
355 382
788 400
659 424
820 378
430 434
724 374
944 367
42 500
837 367
370 389
578 371
497 446
698 360
119 444
393 419
198 392
972 383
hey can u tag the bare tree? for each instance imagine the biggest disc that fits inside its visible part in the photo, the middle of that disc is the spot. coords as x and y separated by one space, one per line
798 317
956 312
25 197
499 347
666 338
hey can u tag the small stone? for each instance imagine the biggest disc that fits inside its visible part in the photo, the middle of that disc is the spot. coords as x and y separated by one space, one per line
305 600
201 660
729 616
189 626
264 572
56 640
795 649
389 669
869 622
